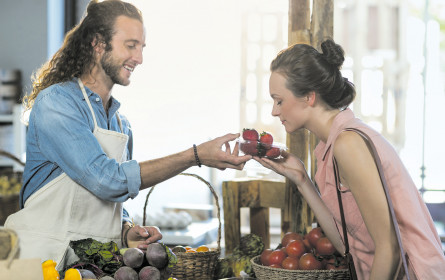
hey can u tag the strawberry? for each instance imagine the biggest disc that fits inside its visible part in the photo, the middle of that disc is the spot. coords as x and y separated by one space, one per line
249 148
273 152
266 138
250 134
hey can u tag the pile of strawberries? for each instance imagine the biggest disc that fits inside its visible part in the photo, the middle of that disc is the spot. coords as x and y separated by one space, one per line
261 145
312 251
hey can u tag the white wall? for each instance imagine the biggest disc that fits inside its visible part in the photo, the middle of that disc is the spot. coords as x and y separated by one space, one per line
23 36
186 91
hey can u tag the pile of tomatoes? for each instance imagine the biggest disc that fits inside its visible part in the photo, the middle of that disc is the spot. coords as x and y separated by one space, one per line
313 251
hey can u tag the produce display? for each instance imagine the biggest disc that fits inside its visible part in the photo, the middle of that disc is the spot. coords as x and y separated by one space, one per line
262 145
238 263
313 251
99 260
188 249
9 185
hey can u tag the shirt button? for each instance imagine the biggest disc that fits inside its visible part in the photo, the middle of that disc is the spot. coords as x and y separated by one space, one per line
97 99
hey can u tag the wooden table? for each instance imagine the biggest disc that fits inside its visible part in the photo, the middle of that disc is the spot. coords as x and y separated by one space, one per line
259 196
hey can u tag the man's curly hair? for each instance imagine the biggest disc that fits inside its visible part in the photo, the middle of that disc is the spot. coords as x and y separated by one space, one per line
76 56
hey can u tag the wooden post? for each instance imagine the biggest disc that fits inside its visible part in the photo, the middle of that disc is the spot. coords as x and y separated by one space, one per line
304 31
322 27
257 195
299 22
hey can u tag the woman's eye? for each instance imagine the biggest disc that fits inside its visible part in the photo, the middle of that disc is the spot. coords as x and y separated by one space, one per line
279 102
132 46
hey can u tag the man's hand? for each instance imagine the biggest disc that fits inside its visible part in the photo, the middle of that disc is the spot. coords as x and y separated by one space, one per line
140 237
212 154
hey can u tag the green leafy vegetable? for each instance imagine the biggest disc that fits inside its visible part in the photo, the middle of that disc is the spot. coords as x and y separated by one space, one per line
105 256
172 259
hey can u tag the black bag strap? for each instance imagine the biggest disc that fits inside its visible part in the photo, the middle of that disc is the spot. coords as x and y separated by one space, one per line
351 266
340 204
385 188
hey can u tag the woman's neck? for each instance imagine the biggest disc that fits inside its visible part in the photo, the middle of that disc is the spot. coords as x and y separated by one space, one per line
321 122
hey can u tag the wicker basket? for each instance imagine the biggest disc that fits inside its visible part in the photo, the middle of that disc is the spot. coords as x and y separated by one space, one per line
270 273
9 203
199 265
9 244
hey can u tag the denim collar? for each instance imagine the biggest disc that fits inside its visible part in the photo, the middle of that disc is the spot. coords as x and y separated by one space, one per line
115 104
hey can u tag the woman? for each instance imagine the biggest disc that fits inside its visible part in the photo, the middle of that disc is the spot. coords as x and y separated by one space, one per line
309 92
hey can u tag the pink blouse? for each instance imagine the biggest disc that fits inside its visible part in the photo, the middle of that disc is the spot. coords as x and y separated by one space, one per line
419 236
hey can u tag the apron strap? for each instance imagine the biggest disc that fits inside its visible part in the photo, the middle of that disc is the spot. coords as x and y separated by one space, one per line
119 122
82 87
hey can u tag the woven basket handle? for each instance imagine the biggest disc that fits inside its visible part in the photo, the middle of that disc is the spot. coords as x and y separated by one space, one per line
14 246
218 208
11 156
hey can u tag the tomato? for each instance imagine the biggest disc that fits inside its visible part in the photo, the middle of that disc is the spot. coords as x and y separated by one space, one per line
276 257
290 236
336 263
290 263
265 256
275 265
307 245
324 261
295 248
314 235
325 247
309 262
331 266
202 248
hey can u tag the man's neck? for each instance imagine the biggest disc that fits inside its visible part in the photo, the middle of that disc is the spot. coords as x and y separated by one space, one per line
100 86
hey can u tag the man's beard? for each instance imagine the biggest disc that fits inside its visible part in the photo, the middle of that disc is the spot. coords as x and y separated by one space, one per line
112 69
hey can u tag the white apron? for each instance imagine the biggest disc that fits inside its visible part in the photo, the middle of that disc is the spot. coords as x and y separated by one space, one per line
63 210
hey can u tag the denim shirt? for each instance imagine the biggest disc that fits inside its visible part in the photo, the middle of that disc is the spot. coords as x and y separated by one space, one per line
60 139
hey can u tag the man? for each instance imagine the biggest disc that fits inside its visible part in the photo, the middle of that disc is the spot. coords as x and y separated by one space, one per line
79 168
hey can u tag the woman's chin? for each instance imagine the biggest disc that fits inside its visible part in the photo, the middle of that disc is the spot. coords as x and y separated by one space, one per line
289 129
292 130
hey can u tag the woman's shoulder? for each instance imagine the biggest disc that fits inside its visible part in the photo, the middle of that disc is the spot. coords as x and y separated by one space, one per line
354 142
352 131
349 143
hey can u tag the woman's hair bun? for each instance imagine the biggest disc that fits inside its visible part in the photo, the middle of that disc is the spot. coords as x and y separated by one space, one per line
333 53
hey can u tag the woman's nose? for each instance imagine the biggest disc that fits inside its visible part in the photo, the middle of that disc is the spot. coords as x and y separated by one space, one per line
275 112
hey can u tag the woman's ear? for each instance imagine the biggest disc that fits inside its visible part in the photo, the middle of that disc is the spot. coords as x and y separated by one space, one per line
311 98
